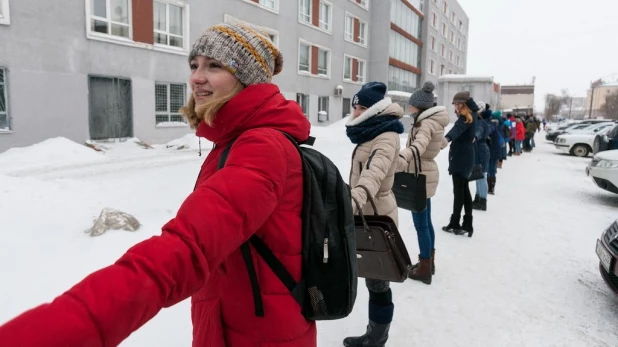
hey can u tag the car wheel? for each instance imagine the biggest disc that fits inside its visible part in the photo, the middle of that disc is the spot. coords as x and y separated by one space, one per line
580 151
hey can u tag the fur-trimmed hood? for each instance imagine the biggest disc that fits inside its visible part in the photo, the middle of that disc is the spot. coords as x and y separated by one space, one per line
384 107
437 113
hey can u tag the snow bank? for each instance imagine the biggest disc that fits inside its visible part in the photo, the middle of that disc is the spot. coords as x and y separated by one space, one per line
57 151
189 142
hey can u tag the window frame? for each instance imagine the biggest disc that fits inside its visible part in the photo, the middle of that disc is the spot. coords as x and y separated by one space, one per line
329 23
432 66
345 27
184 16
327 110
363 35
310 52
301 15
274 10
328 55
5 13
95 34
358 72
6 112
304 106
364 6
444 30
169 113
434 20
432 43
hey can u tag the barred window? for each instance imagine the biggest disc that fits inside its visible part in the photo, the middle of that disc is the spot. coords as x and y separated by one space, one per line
169 98
4 108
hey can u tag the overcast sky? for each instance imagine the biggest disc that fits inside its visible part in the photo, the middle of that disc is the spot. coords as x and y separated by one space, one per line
564 44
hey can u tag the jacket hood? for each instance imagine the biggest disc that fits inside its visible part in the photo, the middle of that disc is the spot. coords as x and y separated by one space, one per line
256 106
384 107
437 113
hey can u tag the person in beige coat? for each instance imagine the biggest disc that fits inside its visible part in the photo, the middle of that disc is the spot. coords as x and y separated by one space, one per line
427 139
375 127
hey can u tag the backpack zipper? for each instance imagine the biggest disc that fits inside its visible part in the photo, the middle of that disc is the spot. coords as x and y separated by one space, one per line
325 250
327 232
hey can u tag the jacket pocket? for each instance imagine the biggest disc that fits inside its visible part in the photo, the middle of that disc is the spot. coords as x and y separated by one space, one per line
371 158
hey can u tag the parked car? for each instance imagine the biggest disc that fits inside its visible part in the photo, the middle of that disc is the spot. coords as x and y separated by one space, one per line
607 251
553 134
579 144
606 141
603 169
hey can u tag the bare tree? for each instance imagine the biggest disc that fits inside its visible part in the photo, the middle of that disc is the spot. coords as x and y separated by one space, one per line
553 103
610 108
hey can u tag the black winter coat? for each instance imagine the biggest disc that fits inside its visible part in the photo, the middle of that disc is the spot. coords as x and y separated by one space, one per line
461 154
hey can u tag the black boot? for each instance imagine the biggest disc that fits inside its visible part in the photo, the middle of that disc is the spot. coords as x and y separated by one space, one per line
483 205
491 181
453 225
376 336
466 227
476 199
476 204
377 333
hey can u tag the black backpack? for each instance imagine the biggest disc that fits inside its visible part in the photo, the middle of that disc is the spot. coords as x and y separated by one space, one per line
327 290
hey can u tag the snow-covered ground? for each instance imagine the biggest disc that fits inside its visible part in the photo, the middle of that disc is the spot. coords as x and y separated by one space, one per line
528 277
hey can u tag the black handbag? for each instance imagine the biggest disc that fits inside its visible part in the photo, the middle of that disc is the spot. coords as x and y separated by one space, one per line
410 189
477 173
380 251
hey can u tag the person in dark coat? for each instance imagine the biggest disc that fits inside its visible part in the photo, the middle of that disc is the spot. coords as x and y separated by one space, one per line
496 150
481 150
461 161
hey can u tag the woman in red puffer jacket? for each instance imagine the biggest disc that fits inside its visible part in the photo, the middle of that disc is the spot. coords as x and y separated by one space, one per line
520 135
259 191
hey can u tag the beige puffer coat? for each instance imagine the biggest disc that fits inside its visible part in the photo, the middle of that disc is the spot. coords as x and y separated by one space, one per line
427 135
374 164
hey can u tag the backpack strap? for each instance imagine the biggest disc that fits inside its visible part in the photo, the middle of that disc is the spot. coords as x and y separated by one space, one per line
296 289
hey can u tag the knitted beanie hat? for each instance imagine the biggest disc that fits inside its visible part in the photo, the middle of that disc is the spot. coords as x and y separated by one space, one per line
369 94
245 51
423 98
461 97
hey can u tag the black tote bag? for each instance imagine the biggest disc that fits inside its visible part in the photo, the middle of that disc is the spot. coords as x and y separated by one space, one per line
477 173
380 251
410 189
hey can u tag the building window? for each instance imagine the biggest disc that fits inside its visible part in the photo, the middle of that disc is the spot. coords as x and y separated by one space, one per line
452 36
5 16
445 8
362 3
434 20
347 68
5 124
402 80
433 43
303 101
323 62
273 35
349 27
325 15
457 62
405 18
459 43
305 11
168 24
169 98
450 55
361 71
442 50
304 57
362 33
453 17
110 17
432 67
442 69
460 25
402 49
323 107
444 29
269 3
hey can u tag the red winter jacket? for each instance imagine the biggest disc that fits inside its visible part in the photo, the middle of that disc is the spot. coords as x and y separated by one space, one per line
521 132
259 191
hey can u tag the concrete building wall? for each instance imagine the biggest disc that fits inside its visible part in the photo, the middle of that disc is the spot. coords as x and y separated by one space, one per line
480 88
598 94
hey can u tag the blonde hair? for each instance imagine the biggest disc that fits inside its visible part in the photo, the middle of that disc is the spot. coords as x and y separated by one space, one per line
465 112
207 112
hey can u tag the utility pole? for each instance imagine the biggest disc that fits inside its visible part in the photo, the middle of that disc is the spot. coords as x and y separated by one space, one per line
570 106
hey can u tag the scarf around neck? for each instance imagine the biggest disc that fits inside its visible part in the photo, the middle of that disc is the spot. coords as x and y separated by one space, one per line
372 127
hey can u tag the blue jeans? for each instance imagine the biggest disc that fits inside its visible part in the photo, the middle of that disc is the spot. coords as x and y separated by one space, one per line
482 189
424 231
518 146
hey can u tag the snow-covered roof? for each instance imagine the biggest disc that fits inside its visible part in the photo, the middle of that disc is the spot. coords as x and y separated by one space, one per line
399 93
469 78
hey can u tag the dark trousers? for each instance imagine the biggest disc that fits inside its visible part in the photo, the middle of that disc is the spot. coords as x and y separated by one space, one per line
463 198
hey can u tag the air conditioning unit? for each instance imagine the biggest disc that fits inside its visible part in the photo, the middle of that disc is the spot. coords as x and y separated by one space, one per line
338 90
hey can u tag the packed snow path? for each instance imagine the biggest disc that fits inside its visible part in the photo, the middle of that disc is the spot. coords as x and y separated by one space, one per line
528 277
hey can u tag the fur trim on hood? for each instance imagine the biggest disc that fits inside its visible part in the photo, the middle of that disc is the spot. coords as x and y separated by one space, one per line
384 106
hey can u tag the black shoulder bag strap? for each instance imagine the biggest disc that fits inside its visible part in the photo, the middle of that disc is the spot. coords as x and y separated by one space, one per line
267 255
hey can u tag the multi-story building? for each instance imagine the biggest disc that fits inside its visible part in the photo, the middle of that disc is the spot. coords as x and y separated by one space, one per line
106 69
598 94
445 38
517 98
